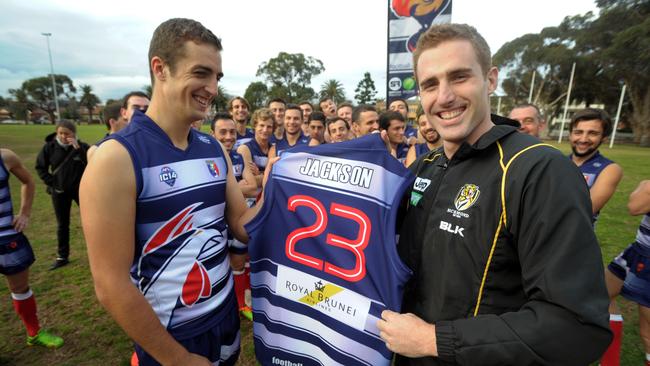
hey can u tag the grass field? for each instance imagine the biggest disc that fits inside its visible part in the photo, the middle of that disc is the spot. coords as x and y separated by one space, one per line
68 307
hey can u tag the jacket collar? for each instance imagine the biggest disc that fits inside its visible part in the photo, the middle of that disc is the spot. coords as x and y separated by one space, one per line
503 127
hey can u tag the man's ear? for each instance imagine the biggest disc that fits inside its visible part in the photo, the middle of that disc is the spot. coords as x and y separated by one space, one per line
158 68
493 79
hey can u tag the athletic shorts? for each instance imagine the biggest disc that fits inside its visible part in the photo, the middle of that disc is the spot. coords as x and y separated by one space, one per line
16 254
219 344
632 266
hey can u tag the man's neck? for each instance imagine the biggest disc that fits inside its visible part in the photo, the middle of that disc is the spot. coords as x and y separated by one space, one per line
264 144
292 138
451 147
174 127
279 132
241 127
579 160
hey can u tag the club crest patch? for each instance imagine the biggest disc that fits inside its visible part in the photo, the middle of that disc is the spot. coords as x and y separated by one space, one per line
213 168
466 197
168 176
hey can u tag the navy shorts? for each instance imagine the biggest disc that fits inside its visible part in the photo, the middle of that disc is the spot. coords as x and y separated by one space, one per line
632 266
219 344
16 254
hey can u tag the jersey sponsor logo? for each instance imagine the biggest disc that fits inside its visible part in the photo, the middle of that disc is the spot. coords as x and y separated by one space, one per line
421 184
237 169
168 175
277 361
204 139
466 197
334 301
451 228
336 172
213 168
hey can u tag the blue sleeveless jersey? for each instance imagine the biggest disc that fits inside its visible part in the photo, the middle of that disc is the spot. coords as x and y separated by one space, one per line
248 135
6 208
402 150
591 169
283 145
421 149
259 157
237 164
643 234
180 262
324 262
409 131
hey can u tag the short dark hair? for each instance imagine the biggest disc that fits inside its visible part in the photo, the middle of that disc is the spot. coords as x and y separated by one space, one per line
66 123
306 102
111 111
393 100
169 38
231 101
323 99
218 116
275 100
589 114
531 105
386 117
135 93
318 116
336 119
345 104
356 113
295 108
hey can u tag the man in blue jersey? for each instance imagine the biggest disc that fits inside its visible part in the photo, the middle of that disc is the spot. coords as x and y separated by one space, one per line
399 105
338 129
292 132
156 203
431 140
224 130
307 109
317 122
393 123
495 228
628 275
16 255
365 120
587 131
239 109
277 106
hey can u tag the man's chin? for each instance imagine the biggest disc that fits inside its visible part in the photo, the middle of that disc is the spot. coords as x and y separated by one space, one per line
582 154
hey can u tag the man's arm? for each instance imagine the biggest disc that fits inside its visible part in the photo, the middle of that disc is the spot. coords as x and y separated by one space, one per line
248 184
245 152
410 156
605 186
639 202
107 203
91 151
27 187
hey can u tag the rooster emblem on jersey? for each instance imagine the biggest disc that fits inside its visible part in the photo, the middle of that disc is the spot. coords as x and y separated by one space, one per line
182 254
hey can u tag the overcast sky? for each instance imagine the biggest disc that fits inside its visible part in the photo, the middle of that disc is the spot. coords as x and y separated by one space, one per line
104 44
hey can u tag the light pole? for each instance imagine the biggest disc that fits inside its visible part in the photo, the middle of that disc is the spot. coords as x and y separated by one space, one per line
56 99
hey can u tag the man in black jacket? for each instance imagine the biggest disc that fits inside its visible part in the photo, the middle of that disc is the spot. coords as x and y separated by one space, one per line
60 164
507 269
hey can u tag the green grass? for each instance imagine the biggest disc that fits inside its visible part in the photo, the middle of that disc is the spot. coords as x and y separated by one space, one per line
67 303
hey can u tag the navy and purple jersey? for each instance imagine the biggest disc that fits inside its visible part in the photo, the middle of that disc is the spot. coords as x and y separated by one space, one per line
6 208
421 149
248 135
237 164
401 152
274 140
324 262
591 169
260 158
180 262
409 131
283 145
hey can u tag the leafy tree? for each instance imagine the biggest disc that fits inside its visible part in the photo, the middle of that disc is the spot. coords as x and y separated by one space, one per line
220 102
20 105
290 74
365 92
333 89
38 92
600 46
256 94
70 109
89 100
147 89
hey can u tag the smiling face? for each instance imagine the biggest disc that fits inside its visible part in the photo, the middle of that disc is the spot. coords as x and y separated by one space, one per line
225 132
586 137
338 131
189 89
427 131
345 112
278 112
263 129
454 92
368 122
292 122
400 107
529 119
239 111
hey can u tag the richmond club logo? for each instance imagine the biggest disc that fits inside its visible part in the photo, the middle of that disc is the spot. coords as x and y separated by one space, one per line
168 175
466 197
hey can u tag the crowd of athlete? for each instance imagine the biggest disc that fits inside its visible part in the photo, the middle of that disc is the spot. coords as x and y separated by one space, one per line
251 140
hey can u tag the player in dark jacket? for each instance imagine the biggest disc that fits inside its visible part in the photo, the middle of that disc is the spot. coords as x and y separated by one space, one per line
507 269
60 164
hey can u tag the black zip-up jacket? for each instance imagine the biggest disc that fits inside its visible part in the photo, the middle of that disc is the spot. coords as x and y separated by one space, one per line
52 154
510 276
